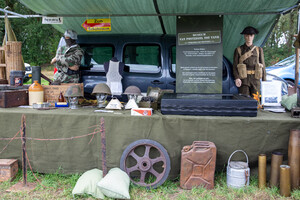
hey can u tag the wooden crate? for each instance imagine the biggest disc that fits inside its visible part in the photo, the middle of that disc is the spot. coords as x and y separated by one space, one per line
51 92
13 98
8 169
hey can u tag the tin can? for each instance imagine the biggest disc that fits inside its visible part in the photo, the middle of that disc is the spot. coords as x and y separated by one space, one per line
238 172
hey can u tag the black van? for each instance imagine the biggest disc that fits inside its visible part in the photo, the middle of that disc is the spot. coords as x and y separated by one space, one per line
150 60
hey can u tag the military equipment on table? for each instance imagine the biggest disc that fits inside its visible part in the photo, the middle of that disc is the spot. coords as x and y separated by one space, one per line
73 91
132 90
101 88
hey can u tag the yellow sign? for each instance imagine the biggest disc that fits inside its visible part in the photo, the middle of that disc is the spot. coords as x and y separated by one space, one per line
97 25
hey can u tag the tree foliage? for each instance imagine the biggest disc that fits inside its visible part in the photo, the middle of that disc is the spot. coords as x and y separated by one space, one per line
280 43
39 41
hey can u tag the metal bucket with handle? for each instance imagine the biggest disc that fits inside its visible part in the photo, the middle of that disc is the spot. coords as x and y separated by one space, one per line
238 172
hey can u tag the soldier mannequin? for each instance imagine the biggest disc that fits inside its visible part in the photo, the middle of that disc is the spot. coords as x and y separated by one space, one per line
249 64
68 59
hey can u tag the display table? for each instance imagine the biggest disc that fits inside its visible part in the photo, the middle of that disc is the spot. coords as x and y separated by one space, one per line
262 134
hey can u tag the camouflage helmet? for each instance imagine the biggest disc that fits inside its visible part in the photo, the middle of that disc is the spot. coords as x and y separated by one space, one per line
101 88
132 90
70 33
73 91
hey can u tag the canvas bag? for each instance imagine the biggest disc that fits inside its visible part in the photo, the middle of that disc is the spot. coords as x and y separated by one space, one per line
242 68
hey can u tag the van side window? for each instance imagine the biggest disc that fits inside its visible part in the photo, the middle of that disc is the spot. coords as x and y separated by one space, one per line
142 58
95 56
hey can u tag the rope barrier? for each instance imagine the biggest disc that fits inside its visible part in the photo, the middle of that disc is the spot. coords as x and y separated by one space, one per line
98 129
53 139
11 139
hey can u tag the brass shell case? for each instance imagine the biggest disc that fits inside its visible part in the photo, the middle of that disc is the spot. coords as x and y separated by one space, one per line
285 181
294 157
276 161
262 171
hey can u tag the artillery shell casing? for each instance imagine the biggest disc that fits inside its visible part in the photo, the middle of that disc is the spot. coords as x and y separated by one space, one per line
285 181
262 171
294 157
276 161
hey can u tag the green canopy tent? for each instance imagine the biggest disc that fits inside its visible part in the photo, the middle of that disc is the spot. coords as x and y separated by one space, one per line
159 16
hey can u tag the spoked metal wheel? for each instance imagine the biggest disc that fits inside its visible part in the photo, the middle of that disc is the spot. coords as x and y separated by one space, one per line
146 162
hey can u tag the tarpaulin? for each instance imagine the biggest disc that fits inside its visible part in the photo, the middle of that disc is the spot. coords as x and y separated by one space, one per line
159 16
70 153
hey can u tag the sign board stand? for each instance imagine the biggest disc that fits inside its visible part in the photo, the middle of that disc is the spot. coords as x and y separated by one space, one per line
199 54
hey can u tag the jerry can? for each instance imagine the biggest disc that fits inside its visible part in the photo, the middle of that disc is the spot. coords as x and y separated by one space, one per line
198 163
238 172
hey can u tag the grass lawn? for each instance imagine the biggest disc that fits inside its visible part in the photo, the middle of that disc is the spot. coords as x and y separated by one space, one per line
59 186
47 71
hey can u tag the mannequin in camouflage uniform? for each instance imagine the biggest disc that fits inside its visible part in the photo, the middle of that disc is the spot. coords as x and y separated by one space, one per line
68 60
249 64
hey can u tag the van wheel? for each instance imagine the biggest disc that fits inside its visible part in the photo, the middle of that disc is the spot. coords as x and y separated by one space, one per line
146 162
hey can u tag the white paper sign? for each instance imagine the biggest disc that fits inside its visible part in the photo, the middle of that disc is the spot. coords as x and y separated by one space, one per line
52 20
271 93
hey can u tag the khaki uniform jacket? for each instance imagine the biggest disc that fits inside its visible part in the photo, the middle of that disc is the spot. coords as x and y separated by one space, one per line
250 62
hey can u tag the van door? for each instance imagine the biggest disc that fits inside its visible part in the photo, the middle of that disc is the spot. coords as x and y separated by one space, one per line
171 77
145 66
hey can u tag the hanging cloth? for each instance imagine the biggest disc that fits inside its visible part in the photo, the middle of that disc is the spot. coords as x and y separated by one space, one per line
114 78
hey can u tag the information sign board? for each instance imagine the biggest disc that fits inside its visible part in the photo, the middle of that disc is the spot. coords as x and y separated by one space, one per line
199 54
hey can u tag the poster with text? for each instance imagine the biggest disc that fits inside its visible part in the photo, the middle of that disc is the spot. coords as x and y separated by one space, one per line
199 54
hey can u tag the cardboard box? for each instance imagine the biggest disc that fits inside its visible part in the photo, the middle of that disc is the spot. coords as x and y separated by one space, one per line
8 169
51 92
148 104
141 111
13 98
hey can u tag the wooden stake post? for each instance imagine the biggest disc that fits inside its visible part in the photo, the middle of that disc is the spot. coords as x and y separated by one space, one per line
296 70
24 161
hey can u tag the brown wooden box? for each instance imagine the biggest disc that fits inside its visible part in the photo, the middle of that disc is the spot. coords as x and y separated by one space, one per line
13 98
8 169
51 92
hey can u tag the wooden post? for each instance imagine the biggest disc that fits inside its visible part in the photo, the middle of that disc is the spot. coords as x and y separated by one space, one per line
24 160
296 70
2 64
103 147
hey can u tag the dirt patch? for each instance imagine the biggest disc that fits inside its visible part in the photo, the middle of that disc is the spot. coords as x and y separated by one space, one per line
49 74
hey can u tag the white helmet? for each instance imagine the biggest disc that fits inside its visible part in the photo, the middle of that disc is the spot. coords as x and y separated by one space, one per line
70 33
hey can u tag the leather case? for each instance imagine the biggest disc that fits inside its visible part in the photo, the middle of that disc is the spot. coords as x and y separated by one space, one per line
208 105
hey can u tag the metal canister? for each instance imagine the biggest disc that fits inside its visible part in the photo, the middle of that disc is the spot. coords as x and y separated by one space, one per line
238 172
285 181
198 163
294 157
262 171
276 161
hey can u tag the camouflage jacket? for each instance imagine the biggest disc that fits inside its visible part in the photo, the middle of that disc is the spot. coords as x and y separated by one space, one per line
68 56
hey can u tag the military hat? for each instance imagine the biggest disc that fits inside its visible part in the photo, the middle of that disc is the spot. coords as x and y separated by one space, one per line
73 91
249 30
70 33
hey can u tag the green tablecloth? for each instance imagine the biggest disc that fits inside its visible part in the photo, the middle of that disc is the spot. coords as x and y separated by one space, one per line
262 134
